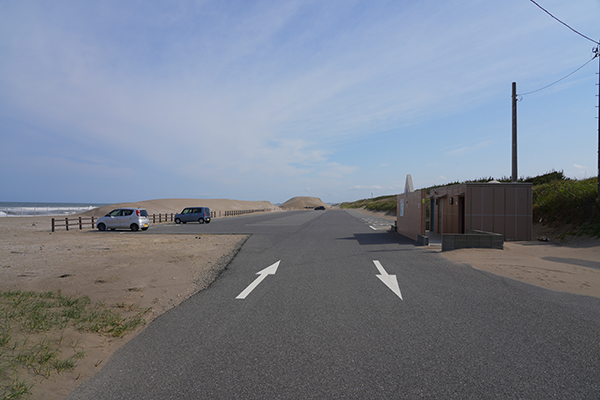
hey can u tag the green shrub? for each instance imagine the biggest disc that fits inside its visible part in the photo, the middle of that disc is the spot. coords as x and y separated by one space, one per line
567 202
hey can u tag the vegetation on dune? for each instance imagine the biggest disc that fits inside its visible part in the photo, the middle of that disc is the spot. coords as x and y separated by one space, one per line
557 201
568 202
32 342
382 203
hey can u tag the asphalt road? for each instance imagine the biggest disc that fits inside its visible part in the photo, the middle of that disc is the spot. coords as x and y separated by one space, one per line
326 326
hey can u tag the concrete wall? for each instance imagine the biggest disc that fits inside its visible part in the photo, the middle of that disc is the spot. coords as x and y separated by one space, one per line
410 214
472 239
501 208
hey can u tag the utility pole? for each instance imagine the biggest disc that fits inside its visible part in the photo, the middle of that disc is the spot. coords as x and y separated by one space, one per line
514 134
596 51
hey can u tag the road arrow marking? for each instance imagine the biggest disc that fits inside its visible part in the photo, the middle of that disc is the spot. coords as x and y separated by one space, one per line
261 275
389 280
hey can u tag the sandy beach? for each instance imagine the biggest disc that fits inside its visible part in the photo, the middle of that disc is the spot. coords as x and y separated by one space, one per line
160 271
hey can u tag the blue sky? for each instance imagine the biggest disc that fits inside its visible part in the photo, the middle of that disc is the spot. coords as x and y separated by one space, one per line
111 101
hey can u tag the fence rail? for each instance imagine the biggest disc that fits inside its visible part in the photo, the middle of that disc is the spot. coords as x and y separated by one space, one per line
241 212
75 222
80 222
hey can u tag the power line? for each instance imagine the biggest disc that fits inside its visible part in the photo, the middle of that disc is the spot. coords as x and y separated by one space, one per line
579 33
561 79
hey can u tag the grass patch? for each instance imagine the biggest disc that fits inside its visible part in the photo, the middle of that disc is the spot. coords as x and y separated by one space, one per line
569 202
386 204
32 324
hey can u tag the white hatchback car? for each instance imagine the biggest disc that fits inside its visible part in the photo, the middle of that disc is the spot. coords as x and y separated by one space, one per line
124 218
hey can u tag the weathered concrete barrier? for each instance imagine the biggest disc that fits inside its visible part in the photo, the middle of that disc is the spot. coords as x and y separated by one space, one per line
473 239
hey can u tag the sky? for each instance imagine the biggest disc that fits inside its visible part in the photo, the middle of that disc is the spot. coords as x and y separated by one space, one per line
113 101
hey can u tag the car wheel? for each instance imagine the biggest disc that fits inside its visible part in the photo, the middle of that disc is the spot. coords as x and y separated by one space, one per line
177 221
134 227
201 220
208 221
101 227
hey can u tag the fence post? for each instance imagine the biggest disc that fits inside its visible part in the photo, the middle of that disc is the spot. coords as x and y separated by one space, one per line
93 223
67 222
52 224
80 225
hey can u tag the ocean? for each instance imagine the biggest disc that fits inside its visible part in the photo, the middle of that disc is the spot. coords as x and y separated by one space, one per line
16 209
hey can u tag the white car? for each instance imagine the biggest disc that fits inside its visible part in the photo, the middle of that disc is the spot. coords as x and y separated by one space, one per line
124 218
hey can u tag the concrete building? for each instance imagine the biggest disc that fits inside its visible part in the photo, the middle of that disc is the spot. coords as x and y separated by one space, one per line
503 208
500 208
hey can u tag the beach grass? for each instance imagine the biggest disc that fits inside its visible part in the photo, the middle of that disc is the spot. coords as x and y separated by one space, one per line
386 204
569 202
32 334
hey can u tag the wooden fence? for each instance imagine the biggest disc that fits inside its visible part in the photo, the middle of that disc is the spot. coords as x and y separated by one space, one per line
241 212
80 222
74 223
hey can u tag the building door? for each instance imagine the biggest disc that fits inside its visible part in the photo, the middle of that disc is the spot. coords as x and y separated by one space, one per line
440 218
461 214
431 220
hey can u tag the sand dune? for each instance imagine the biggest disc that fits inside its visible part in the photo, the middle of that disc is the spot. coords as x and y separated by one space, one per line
302 202
176 205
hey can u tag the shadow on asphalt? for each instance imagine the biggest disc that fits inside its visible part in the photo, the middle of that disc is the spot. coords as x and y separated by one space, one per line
379 238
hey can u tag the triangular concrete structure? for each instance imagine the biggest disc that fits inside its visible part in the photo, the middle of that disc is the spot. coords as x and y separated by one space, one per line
408 186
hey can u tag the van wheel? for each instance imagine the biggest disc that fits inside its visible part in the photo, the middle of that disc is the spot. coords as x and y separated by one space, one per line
177 221
101 227
201 220
134 227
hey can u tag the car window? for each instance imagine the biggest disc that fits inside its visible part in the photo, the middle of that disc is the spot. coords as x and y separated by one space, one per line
207 210
143 213
114 213
187 210
127 212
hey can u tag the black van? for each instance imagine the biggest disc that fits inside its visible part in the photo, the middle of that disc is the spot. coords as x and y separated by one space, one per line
193 214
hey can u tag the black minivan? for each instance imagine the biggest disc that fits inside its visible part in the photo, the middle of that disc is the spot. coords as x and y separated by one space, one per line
193 214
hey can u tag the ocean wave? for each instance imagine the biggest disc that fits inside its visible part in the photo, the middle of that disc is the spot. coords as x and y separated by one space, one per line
41 211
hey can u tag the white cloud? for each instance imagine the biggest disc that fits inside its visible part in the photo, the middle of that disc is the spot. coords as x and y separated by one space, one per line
468 149
372 187
273 95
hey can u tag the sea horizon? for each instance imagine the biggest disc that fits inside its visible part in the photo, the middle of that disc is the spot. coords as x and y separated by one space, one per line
27 209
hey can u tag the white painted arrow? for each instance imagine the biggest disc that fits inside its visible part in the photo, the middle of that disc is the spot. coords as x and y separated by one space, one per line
389 280
261 275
